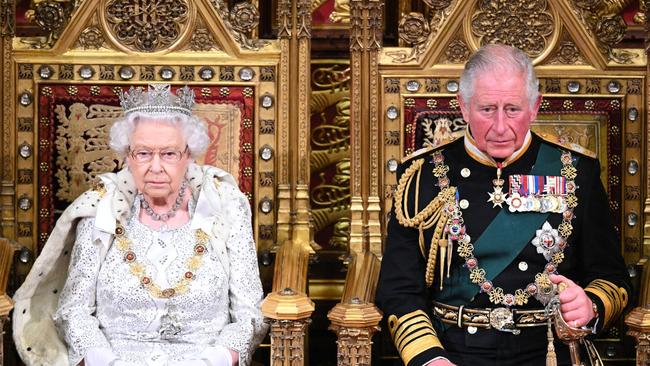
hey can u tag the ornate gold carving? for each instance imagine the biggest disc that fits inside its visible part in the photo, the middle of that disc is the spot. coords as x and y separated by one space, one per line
244 17
441 11
7 18
567 53
284 19
603 21
51 16
287 341
457 52
414 29
147 25
303 15
202 40
91 38
8 83
240 20
82 142
527 26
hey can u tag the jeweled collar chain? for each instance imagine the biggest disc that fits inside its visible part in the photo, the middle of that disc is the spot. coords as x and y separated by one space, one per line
125 245
547 241
169 214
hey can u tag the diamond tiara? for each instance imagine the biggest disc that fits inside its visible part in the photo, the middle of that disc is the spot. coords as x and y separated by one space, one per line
158 100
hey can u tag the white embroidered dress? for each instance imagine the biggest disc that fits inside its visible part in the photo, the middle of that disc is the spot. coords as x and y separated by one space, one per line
104 306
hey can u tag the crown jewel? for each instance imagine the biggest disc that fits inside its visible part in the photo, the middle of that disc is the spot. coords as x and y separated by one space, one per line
158 100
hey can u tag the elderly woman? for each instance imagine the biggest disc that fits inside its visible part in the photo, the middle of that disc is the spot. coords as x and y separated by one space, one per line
162 263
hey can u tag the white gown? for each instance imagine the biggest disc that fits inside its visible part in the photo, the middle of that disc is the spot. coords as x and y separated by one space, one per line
104 306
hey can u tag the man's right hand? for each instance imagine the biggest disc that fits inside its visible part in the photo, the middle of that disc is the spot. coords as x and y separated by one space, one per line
440 362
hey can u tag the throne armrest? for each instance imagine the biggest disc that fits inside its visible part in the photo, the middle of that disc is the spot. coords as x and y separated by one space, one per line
355 319
287 308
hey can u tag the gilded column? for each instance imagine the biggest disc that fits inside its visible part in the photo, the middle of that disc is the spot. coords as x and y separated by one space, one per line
365 44
357 202
302 95
374 42
7 191
283 169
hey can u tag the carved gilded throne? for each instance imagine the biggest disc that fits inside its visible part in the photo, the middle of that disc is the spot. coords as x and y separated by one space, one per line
404 98
60 98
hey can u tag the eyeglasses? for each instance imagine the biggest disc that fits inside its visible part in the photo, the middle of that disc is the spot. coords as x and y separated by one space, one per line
171 156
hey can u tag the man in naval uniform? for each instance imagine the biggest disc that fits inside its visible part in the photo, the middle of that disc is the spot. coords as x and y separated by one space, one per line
490 229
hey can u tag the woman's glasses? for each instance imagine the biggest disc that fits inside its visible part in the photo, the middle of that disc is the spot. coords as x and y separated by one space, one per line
144 155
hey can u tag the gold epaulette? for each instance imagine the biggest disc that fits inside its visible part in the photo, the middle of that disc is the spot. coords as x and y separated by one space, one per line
433 215
413 334
567 145
426 149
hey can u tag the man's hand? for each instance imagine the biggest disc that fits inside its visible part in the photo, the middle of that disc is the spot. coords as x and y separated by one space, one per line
440 362
575 305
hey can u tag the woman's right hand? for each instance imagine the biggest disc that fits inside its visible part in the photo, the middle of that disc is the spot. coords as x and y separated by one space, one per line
440 362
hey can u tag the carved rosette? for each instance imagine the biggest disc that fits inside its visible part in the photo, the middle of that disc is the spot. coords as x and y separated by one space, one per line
49 15
457 52
202 40
414 29
611 29
244 17
147 25
91 38
525 24
567 53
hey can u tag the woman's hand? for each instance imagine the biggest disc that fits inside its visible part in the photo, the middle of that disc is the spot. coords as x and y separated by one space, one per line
440 362
576 307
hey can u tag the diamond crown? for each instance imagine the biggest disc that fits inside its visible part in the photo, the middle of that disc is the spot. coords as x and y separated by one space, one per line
159 99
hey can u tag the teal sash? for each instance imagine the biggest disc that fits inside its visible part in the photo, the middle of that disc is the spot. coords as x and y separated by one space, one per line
502 240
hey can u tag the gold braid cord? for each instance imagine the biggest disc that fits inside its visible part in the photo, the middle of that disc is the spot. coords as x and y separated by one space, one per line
614 299
434 214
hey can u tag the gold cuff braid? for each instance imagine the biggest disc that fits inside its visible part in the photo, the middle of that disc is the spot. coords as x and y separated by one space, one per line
614 299
412 334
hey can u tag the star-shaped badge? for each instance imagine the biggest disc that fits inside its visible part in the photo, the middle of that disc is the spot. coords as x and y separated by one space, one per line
497 197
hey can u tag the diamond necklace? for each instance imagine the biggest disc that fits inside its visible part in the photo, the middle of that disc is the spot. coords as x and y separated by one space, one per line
169 214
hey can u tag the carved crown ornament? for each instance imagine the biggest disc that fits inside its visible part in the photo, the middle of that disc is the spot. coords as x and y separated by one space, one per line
534 26
143 25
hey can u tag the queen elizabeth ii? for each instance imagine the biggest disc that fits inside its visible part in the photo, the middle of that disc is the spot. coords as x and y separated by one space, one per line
160 258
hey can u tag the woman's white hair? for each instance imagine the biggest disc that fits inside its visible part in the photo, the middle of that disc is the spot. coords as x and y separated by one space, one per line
497 57
194 131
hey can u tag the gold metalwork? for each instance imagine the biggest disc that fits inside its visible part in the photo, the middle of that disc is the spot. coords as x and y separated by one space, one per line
147 25
51 16
529 25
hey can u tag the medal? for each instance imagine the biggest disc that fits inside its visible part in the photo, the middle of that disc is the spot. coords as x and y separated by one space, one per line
497 197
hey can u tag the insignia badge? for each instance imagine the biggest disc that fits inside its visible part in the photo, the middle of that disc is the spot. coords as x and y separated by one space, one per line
547 241
538 193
